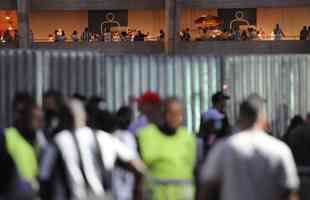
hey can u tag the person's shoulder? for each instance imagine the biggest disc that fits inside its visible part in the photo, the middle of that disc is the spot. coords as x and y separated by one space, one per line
149 129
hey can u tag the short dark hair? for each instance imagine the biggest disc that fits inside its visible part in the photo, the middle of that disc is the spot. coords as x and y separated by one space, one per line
250 109
124 117
169 101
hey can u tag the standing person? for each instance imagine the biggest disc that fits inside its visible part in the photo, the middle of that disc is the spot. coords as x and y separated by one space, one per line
251 164
278 33
214 123
296 122
62 37
56 36
149 106
161 35
308 33
123 181
79 165
86 35
303 33
22 143
74 36
169 151
52 106
187 35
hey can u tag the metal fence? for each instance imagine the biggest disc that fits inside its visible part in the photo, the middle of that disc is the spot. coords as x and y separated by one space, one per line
282 79
116 78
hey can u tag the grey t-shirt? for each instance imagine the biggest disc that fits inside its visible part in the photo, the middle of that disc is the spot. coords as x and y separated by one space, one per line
251 165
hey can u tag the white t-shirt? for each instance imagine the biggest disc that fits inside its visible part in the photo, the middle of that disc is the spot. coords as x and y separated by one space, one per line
251 165
111 149
122 180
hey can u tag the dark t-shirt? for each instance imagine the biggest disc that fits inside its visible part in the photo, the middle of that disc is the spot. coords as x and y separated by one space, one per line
299 142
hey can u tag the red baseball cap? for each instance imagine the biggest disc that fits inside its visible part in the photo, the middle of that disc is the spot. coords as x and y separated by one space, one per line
149 97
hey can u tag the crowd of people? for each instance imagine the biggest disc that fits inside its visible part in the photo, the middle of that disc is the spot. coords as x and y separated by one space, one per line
74 149
113 36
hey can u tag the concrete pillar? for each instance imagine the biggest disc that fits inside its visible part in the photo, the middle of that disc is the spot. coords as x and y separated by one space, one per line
23 7
172 24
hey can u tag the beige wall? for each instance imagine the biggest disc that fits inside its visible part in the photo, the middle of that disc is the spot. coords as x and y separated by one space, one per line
290 19
45 23
147 20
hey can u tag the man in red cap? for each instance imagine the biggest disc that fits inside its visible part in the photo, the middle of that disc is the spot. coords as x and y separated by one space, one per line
149 106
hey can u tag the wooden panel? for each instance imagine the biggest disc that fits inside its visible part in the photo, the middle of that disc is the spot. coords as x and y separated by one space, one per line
244 47
108 48
244 3
95 4
8 5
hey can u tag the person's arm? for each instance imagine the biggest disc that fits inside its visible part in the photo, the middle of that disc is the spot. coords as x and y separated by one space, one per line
213 173
289 180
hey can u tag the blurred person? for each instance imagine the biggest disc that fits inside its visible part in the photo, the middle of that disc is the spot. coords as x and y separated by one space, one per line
86 35
308 37
237 34
98 117
22 141
149 106
303 33
74 36
7 37
124 36
79 163
62 37
244 35
278 33
56 36
251 164
169 152
12 185
187 35
161 35
296 122
139 36
52 104
123 181
214 123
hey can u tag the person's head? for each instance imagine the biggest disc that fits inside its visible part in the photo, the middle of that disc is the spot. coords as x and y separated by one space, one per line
52 100
219 101
20 101
295 122
80 97
124 117
253 113
187 30
28 117
86 29
149 104
308 28
173 112
161 31
305 27
78 112
278 26
74 32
